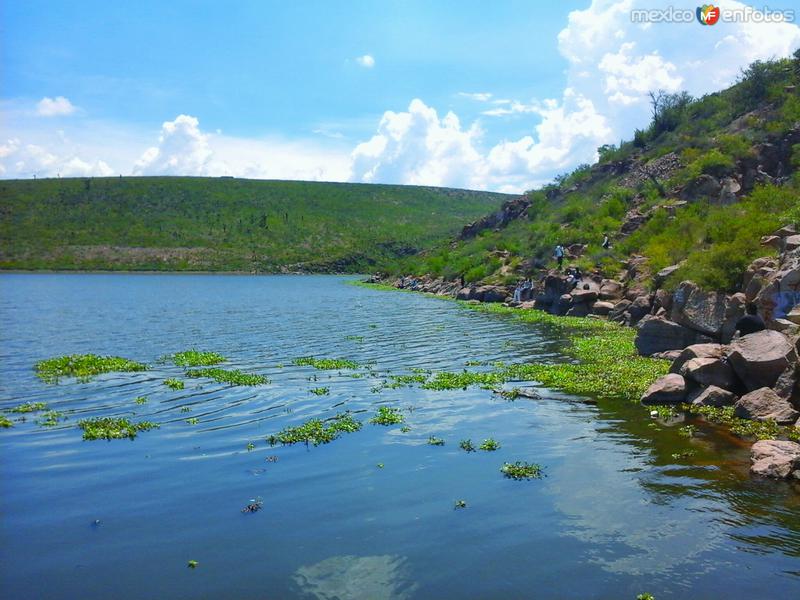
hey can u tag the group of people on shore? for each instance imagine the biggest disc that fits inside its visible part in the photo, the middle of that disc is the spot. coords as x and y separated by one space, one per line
559 252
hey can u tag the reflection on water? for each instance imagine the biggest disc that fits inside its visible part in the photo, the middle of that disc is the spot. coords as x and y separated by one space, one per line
356 578
627 506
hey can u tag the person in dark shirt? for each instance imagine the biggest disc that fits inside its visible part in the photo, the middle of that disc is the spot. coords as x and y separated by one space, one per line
751 322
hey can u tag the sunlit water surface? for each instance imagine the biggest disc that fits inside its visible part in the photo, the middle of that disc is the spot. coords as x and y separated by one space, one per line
616 514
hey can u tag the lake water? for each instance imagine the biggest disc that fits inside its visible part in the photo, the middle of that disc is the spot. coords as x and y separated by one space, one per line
615 516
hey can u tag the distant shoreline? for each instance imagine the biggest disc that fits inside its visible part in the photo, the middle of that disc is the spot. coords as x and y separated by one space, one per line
121 272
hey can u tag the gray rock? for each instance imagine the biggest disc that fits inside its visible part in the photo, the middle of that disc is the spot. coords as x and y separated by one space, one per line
697 351
638 309
610 290
698 310
710 371
760 358
764 404
664 273
713 396
656 334
602 308
774 458
669 389
618 313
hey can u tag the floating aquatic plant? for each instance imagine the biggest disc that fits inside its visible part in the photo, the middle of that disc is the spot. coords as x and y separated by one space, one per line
687 431
435 441
141 400
193 421
185 409
464 379
5 422
174 384
405 429
192 564
684 454
354 338
761 430
29 407
379 465
83 366
521 470
255 505
233 377
196 358
49 418
387 416
250 446
489 445
316 431
112 428
460 504
325 364
466 445
645 596
320 391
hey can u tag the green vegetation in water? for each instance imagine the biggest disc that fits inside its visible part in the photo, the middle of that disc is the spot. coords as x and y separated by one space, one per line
5 422
29 407
760 430
185 409
83 366
645 596
405 429
684 454
316 431
387 415
112 428
192 421
510 395
174 384
462 380
320 391
49 418
687 431
405 380
466 445
192 564
522 470
354 338
490 445
379 465
196 358
141 400
232 377
435 441
325 364
250 446
460 504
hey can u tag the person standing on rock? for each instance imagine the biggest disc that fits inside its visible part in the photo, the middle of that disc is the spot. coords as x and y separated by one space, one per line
606 242
751 322
559 255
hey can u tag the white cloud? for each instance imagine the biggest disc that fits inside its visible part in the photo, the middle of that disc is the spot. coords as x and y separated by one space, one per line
54 107
417 147
477 96
366 61
26 160
182 149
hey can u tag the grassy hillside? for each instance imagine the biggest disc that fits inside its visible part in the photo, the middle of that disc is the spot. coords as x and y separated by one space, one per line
670 194
193 223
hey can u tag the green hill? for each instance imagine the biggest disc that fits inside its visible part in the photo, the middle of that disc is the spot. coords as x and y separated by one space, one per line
193 223
697 188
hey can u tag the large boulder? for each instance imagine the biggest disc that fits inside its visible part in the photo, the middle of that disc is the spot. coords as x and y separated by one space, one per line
669 389
697 351
638 309
788 385
774 458
764 404
656 334
703 186
713 396
610 290
734 310
619 313
492 293
698 310
710 371
761 357
660 277
585 296
778 293
602 308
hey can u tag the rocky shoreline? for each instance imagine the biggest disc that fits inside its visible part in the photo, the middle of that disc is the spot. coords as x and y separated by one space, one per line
757 374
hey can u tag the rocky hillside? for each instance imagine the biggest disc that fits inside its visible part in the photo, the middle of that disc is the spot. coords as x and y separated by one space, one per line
703 211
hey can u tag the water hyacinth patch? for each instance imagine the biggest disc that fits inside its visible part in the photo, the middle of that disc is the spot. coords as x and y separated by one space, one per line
83 366
192 421
325 364
489 445
466 445
316 431
174 384
196 358
29 407
435 441
5 422
522 470
49 418
320 391
462 380
112 428
387 416
233 377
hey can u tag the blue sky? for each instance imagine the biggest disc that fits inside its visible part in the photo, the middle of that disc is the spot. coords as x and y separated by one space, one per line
500 95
